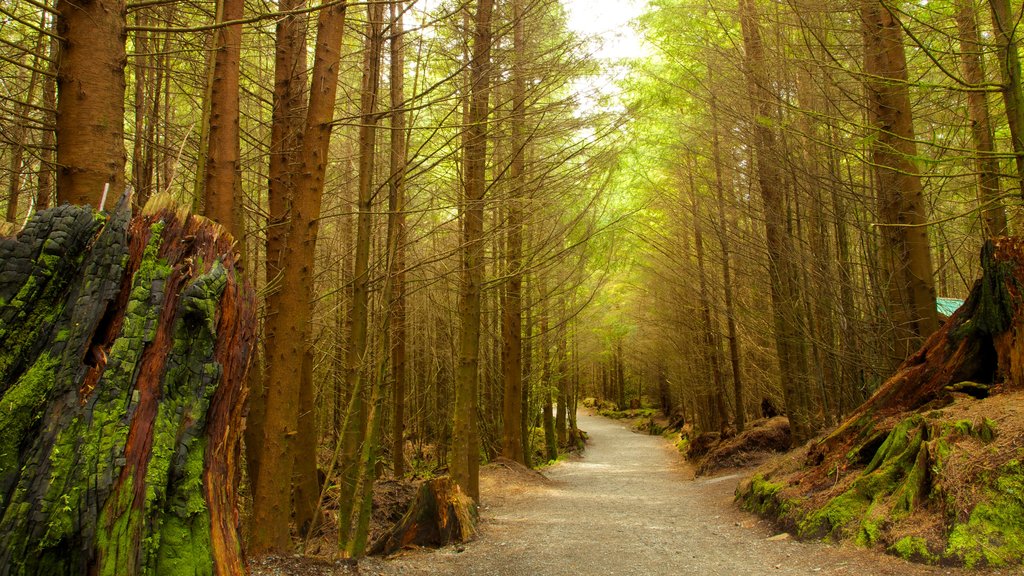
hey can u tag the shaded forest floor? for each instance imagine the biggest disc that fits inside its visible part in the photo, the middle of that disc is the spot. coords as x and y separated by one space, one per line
630 506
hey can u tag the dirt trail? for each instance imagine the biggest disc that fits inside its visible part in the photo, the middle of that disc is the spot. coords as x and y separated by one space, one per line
629 506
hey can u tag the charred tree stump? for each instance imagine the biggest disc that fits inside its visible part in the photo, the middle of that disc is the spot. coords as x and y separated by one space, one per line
439 515
929 467
123 348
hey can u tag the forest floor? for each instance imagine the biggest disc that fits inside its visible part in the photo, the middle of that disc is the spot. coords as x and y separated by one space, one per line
630 505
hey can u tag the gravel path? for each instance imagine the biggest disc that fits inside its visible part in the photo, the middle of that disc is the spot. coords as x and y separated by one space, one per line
629 506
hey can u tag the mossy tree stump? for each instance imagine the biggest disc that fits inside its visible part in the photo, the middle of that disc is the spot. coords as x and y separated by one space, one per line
930 466
123 348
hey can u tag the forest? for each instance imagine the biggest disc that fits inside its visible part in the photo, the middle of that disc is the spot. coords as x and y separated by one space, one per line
444 225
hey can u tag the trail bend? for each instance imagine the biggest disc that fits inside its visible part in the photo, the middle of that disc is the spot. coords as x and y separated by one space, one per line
630 506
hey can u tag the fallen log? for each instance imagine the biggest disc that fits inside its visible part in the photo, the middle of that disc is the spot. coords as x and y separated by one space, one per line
439 515
928 468
123 349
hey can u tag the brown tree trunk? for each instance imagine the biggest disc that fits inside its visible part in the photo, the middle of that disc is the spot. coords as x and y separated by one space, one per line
44 191
787 313
904 248
1005 25
285 143
561 418
357 415
992 211
90 101
223 182
465 435
712 353
739 409
272 493
397 208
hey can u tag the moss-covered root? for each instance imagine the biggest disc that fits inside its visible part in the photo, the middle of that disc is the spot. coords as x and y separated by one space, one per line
993 534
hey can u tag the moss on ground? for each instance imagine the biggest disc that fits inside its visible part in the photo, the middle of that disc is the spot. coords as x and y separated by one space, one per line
871 505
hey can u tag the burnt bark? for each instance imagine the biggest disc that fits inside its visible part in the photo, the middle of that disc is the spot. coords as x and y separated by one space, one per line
125 343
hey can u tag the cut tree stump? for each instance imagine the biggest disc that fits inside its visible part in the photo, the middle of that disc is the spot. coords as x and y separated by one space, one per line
928 468
439 515
124 344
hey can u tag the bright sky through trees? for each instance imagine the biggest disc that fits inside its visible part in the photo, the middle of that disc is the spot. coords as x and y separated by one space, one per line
608 22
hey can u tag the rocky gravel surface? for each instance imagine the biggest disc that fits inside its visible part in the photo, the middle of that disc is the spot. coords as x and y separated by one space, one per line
630 506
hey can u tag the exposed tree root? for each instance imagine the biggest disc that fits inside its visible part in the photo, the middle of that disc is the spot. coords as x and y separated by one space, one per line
930 466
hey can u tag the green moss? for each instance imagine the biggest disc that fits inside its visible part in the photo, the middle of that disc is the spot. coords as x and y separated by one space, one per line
913 548
764 497
21 409
994 533
832 519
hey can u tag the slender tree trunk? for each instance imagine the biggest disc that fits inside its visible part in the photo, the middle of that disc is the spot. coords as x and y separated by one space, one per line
465 434
44 191
397 208
223 182
561 418
902 210
524 417
90 101
992 211
355 432
723 239
787 314
712 354
1005 25
512 311
548 413
285 144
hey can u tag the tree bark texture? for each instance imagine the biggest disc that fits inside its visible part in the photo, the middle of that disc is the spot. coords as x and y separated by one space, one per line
90 100
512 309
904 248
399 152
1008 57
465 463
125 343
285 144
223 182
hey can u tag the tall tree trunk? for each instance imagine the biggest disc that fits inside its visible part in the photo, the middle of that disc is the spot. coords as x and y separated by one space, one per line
904 248
512 310
524 416
272 493
547 409
90 101
223 182
739 409
44 191
710 340
465 435
992 211
561 418
1005 24
355 431
397 209
285 144
787 314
